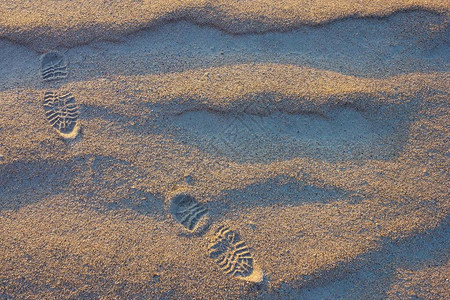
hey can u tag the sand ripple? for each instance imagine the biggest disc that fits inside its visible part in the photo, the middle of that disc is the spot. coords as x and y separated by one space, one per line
49 23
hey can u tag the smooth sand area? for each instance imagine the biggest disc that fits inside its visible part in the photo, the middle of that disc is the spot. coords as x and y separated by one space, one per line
224 149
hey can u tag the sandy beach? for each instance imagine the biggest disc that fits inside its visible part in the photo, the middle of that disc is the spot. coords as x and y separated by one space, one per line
224 149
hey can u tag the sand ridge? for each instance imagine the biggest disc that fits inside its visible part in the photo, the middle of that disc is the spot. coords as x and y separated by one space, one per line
67 23
313 91
407 42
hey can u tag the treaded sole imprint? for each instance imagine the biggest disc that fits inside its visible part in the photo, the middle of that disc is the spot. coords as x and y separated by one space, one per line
187 211
233 256
62 113
53 66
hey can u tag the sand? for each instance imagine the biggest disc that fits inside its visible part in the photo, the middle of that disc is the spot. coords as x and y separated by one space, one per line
315 135
49 23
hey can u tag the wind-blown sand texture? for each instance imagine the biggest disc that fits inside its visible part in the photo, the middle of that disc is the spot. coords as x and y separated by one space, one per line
78 21
315 132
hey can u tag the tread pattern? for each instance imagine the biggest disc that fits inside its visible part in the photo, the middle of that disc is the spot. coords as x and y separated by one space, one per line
231 253
53 66
61 111
187 210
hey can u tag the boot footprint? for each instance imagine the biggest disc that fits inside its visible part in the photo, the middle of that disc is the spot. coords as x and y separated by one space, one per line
62 113
61 110
53 66
232 255
187 211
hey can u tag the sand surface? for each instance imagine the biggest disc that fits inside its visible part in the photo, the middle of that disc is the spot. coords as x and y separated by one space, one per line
317 132
48 23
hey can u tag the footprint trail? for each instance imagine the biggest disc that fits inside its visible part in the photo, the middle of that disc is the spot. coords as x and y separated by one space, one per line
61 110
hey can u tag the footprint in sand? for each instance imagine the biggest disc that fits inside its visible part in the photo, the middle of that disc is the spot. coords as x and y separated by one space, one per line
226 246
62 113
53 66
60 108
187 211
233 256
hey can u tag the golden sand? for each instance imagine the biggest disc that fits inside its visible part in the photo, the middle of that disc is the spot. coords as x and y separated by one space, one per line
289 242
90 216
429 283
49 23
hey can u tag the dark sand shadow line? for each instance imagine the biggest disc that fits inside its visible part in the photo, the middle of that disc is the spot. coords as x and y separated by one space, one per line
366 47
24 183
113 188
27 182
280 191
259 28
356 279
277 191
264 131
273 192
